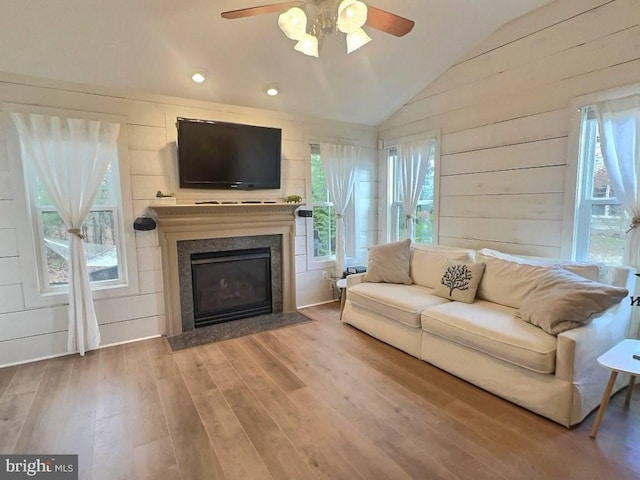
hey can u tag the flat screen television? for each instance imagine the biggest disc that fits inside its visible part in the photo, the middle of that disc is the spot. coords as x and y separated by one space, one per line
218 155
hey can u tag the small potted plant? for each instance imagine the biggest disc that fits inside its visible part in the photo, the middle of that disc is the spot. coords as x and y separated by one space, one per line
165 198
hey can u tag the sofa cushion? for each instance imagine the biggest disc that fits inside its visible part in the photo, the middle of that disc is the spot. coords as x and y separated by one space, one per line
592 271
389 263
460 281
507 282
428 263
563 301
398 302
493 330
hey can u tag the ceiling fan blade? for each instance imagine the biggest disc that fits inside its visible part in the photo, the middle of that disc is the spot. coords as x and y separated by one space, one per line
261 10
388 22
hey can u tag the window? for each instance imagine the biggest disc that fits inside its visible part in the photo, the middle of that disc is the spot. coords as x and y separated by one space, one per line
424 213
323 222
103 242
324 219
601 222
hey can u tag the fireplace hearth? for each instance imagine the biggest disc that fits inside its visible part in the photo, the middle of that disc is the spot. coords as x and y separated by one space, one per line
230 285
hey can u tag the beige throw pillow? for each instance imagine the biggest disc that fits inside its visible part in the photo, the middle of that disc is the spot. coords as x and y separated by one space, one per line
459 281
563 300
389 263
428 263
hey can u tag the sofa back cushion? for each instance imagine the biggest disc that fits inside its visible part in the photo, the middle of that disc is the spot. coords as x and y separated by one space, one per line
596 272
508 279
429 262
507 282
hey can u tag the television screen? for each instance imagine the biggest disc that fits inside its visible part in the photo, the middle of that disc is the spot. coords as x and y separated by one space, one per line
218 155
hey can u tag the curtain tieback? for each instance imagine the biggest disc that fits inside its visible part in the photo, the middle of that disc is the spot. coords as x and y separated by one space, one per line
76 232
635 223
338 215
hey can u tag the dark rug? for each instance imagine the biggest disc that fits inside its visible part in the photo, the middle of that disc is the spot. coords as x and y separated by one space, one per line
234 329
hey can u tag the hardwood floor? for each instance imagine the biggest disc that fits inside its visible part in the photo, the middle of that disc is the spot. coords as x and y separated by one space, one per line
317 400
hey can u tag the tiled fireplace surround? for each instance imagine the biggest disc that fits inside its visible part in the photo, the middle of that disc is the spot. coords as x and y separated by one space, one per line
186 229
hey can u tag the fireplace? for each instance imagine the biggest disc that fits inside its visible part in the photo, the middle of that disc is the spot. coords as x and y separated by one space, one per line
224 279
188 229
230 285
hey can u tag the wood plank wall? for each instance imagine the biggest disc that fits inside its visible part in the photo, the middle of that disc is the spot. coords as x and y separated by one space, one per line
28 332
503 113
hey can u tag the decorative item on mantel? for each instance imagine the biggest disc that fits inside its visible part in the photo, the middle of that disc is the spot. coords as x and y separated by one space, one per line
164 198
293 199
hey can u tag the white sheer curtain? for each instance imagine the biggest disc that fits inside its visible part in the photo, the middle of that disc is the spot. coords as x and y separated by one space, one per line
619 123
70 157
339 164
413 158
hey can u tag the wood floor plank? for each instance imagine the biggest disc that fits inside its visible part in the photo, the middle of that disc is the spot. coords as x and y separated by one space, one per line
237 454
13 412
300 427
194 372
112 391
113 453
144 410
286 380
194 453
156 461
27 377
37 434
6 376
275 449
163 364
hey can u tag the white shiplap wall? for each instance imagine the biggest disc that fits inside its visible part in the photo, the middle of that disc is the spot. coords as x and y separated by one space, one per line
30 333
503 113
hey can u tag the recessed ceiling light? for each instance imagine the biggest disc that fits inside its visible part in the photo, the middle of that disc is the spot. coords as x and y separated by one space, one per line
272 90
198 77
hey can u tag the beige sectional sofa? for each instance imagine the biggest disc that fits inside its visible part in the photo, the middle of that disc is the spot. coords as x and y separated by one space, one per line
485 342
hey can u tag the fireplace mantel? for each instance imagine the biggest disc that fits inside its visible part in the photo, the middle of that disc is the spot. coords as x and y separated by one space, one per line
205 221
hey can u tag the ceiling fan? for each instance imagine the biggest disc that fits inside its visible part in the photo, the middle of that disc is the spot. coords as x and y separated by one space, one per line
309 21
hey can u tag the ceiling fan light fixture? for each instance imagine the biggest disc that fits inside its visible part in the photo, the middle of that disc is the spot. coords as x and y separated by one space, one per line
352 15
357 39
293 23
307 45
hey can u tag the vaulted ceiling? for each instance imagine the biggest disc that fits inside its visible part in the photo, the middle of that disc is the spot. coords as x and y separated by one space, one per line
155 46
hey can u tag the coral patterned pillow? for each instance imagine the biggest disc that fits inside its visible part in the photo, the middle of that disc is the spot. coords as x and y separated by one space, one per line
460 281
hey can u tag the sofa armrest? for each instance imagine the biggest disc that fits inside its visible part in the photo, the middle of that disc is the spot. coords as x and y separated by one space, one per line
578 349
355 279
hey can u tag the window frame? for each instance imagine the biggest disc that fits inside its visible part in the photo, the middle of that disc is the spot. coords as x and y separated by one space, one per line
32 252
318 263
572 244
391 225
